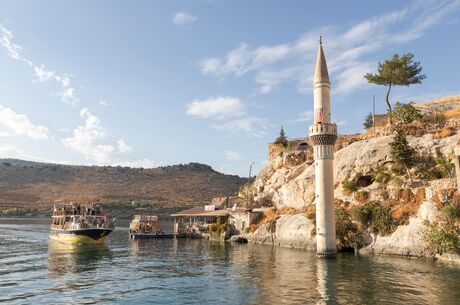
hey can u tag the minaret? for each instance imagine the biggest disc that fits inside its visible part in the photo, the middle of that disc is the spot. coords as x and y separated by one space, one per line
323 135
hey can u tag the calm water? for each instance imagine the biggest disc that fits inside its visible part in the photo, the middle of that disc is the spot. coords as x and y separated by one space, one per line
34 270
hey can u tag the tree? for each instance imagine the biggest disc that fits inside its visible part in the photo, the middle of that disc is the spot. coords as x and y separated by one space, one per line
369 121
397 71
282 140
405 113
401 152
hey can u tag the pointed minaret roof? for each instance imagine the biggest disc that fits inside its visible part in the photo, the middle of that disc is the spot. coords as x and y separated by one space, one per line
321 74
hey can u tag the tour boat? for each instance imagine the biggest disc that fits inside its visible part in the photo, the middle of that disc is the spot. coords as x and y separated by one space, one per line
84 224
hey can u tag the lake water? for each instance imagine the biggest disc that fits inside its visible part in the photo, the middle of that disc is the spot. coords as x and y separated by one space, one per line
34 270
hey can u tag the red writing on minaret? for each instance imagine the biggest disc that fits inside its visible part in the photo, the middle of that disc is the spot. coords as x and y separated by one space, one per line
319 115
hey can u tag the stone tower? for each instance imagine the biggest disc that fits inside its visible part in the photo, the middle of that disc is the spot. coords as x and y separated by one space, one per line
323 135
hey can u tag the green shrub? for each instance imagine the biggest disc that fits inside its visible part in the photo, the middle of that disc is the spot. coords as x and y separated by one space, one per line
450 213
348 234
443 237
217 229
432 169
349 186
382 175
405 113
375 217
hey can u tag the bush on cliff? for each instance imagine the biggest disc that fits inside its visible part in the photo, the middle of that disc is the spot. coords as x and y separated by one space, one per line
444 236
348 234
382 175
349 187
374 216
405 113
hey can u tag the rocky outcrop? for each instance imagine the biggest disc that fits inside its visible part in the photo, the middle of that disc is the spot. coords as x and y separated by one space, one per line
288 185
287 182
406 240
291 231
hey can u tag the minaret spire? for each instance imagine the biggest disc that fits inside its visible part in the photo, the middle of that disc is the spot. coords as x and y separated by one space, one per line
323 135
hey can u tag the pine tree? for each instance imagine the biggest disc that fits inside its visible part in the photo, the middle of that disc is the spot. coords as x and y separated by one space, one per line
282 140
397 71
369 121
401 152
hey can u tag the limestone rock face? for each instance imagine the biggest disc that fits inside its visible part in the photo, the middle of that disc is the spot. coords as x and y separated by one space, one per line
406 240
292 231
286 183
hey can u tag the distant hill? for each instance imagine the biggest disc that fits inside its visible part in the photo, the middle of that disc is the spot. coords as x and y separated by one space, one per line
26 184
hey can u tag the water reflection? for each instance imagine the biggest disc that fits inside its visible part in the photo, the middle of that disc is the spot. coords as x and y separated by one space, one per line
34 270
66 258
325 275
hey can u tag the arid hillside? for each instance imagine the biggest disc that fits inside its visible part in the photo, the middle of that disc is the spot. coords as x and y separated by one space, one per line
25 184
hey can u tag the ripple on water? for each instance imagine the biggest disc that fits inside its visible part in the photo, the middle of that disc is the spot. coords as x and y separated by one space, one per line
34 270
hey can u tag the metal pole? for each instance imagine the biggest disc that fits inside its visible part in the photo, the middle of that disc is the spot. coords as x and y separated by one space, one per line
247 185
373 110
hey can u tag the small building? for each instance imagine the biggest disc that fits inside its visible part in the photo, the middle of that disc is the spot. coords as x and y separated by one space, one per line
241 219
195 220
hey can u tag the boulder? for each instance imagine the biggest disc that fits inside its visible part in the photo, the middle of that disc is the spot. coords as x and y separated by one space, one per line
294 231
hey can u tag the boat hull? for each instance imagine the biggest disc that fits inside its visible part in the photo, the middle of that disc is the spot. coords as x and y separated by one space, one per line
81 236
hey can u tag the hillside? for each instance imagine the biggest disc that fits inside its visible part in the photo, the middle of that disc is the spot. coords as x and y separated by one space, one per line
25 184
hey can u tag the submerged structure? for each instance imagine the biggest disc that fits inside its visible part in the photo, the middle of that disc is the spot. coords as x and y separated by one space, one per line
323 134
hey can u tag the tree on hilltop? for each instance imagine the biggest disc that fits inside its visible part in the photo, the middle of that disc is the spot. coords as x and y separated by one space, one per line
282 140
397 71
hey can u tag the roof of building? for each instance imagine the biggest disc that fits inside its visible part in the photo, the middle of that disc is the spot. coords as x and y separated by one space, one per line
201 212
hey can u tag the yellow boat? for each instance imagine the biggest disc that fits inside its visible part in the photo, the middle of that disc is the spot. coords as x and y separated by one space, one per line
82 224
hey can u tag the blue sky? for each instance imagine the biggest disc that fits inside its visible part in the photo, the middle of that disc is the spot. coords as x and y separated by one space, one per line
152 83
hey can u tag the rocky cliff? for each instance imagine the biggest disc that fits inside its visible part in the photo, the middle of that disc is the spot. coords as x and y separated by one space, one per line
287 182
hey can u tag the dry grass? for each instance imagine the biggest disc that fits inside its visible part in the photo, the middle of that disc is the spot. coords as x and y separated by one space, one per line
361 196
447 131
405 195
402 212
310 212
453 114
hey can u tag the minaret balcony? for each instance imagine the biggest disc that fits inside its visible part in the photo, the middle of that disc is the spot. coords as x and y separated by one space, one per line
323 134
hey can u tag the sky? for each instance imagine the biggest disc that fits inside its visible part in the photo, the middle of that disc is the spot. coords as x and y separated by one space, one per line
155 83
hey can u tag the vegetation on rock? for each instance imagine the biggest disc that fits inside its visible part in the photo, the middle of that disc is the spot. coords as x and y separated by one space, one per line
368 121
382 175
349 187
282 139
374 216
405 113
349 235
444 236
401 152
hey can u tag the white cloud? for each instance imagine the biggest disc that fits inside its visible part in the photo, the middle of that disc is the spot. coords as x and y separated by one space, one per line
123 147
248 126
183 18
353 51
12 49
19 124
67 93
221 107
85 139
145 163
305 116
232 155
103 103
42 74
